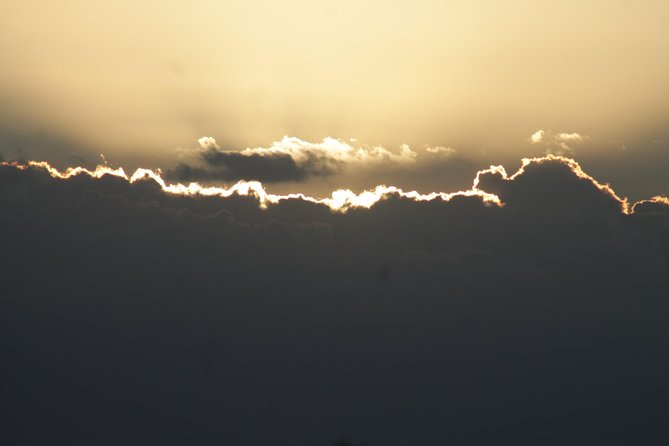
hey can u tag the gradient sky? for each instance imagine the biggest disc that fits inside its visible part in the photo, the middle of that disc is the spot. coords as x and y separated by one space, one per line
142 81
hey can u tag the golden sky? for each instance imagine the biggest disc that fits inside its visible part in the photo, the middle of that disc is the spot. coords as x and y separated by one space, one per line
143 81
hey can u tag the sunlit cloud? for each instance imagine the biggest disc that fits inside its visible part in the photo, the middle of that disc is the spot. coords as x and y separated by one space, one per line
537 137
562 143
207 143
565 137
332 149
441 151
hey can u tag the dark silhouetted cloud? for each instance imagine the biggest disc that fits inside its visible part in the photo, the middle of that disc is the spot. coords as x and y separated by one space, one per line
232 166
552 183
143 312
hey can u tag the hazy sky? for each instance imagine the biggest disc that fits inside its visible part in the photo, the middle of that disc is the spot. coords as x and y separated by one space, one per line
139 80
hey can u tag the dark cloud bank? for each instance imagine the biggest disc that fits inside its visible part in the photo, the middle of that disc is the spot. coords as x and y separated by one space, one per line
130 316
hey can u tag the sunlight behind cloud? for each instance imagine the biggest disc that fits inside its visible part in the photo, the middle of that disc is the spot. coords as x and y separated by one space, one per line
341 199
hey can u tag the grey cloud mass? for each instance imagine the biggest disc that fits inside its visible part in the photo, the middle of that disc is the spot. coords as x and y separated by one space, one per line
131 315
231 166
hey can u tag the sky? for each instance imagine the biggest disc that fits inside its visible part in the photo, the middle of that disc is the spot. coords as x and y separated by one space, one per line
339 223
142 82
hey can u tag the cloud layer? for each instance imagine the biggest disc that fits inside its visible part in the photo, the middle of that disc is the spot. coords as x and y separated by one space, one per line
532 313
290 159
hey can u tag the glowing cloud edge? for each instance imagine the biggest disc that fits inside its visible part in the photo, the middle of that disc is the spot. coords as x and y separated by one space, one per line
342 199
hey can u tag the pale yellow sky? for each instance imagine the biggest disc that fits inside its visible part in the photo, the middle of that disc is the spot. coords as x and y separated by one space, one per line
137 80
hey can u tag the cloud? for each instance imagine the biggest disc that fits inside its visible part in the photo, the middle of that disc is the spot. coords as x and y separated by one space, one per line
531 304
567 137
234 166
441 150
290 159
656 204
208 143
558 143
551 182
537 137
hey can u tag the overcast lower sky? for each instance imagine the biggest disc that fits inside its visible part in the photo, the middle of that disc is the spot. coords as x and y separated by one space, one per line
143 81
129 315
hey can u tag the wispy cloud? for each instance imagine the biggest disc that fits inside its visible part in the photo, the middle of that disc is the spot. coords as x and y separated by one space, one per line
562 143
441 151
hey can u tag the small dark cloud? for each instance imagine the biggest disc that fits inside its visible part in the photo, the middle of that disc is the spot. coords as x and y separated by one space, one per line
186 173
266 168
234 166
